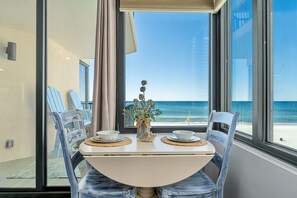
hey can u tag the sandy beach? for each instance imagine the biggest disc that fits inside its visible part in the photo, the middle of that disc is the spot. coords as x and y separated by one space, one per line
283 134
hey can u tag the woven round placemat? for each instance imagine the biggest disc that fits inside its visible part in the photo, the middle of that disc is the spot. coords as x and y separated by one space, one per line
126 141
202 142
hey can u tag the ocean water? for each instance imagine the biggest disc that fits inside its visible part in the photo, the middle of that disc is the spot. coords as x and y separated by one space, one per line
179 111
285 112
198 111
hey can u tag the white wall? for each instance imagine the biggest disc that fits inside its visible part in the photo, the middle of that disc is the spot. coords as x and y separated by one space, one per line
62 74
18 93
62 69
254 174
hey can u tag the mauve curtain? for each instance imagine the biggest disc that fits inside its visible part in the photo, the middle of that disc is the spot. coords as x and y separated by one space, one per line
104 89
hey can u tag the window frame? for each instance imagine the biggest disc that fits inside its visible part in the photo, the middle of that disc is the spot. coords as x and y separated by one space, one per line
86 70
219 85
41 188
121 89
262 82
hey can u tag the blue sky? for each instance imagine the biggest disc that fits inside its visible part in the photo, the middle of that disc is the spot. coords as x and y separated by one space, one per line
241 50
285 49
170 47
172 55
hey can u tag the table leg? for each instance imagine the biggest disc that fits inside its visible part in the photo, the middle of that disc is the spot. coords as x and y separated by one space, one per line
146 192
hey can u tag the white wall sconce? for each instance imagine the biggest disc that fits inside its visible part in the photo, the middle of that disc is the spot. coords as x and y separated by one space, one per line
11 51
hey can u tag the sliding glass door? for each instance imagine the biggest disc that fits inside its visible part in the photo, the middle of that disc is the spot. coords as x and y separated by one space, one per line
27 161
17 94
71 28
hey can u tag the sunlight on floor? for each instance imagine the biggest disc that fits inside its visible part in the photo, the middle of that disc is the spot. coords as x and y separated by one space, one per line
21 173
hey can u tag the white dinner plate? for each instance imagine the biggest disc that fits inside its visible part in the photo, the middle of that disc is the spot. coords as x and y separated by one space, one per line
97 139
174 138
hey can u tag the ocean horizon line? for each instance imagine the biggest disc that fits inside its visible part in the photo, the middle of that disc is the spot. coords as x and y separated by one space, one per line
208 101
204 101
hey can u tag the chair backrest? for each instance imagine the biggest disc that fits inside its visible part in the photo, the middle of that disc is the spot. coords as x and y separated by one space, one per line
69 137
54 100
225 140
75 99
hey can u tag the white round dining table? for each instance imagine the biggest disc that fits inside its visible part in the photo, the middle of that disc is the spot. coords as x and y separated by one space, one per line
148 164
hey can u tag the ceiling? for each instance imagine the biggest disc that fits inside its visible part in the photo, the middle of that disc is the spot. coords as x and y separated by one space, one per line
71 23
18 14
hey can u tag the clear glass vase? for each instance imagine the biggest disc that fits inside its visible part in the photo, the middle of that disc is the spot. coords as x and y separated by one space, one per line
144 134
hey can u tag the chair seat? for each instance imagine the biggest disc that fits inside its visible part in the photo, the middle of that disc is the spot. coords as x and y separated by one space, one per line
198 185
94 184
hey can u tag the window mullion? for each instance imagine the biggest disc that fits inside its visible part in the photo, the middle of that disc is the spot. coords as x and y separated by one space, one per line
41 131
215 69
269 71
225 58
258 73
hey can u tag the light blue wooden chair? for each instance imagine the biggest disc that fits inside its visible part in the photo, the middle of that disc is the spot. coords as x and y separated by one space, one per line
55 104
93 184
200 185
54 100
76 104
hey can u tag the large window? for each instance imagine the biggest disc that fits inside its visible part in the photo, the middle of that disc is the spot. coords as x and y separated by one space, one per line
172 54
241 63
284 73
263 74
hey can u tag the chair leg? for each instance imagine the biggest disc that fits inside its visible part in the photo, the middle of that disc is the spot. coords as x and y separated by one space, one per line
219 194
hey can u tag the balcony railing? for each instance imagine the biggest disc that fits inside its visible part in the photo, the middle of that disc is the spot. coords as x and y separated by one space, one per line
90 105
